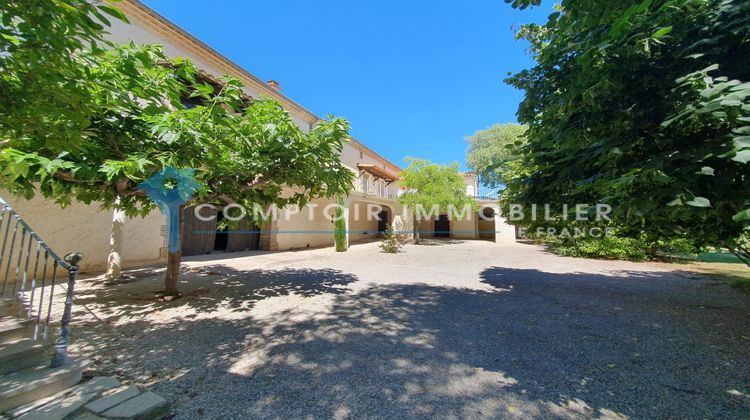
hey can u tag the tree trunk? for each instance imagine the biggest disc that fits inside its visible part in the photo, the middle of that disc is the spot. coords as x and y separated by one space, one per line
415 222
173 273
174 256
114 260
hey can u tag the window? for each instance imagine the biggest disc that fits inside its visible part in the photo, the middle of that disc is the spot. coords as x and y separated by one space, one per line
470 190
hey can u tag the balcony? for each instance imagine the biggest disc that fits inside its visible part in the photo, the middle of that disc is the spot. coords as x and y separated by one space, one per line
376 189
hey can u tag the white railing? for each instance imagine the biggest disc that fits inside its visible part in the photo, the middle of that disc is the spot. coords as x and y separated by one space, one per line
485 198
377 188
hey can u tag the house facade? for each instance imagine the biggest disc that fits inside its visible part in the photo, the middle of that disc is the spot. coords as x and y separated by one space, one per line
371 206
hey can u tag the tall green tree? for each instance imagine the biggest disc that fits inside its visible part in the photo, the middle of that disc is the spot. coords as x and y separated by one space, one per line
490 151
43 66
430 185
125 122
645 105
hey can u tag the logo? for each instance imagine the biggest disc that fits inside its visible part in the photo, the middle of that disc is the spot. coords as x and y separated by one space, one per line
169 189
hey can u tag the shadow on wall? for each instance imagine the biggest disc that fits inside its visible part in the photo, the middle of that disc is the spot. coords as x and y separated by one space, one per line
538 345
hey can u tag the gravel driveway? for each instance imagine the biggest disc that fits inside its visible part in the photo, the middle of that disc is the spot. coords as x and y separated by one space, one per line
452 330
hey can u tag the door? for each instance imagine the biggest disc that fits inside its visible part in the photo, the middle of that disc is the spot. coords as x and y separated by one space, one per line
246 237
442 227
198 236
382 221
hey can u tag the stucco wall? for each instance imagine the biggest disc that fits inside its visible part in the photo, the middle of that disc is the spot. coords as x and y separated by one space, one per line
310 228
504 231
465 228
86 228
361 226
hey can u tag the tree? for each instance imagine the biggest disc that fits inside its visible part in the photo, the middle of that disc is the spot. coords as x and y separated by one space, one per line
490 151
429 185
43 64
127 123
339 226
645 105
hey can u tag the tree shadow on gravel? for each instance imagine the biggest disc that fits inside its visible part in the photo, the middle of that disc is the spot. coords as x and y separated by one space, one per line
535 345
209 288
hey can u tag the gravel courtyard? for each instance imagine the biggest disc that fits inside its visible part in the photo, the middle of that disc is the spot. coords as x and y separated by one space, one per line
450 329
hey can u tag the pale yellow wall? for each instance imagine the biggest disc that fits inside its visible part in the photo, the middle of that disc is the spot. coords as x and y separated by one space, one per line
86 229
465 228
351 157
360 226
301 231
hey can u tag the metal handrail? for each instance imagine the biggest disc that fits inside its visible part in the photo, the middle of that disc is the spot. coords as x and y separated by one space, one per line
28 286
486 198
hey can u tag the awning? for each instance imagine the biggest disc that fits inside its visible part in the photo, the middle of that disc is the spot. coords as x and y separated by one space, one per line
377 172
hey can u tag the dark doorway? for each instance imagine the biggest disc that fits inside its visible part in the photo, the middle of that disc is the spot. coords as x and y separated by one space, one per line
382 221
204 237
222 237
442 227
240 236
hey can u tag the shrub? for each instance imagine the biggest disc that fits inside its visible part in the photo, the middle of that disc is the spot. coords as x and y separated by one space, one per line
390 243
339 226
608 247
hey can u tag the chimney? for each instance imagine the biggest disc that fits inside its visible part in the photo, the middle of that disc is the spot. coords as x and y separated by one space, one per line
274 84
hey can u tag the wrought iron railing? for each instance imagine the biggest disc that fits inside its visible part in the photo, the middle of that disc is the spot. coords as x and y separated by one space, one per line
29 275
485 198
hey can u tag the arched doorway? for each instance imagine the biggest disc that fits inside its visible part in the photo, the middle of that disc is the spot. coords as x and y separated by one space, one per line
383 220
486 225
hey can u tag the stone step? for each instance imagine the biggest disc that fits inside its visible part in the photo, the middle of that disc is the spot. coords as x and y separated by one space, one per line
66 403
146 406
24 386
12 329
6 306
21 354
113 398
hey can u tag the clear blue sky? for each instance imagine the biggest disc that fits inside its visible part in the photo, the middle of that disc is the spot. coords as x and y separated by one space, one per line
413 77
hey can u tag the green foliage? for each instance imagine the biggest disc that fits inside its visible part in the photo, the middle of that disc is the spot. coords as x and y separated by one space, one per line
609 247
391 243
616 247
339 226
645 105
89 120
120 119
430 184
43 67
491 150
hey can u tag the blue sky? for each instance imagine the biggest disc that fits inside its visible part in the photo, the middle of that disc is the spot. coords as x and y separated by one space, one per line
413 77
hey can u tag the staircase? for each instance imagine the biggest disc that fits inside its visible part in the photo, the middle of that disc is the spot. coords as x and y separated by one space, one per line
35 309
